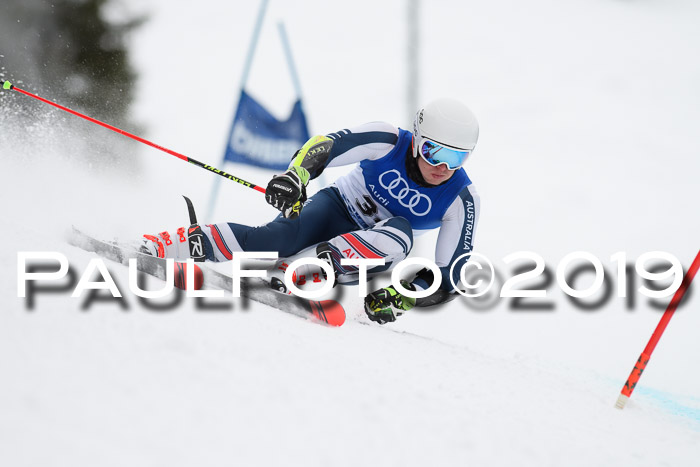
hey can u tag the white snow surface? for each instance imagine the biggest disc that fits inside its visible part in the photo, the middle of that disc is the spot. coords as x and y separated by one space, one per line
588 113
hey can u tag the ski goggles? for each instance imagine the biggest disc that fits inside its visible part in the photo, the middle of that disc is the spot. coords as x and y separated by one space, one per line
435 154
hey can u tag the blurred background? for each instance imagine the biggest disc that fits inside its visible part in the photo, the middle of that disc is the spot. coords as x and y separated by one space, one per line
587 110
588 113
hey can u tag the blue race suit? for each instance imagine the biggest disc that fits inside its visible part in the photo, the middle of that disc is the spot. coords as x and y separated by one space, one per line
371 212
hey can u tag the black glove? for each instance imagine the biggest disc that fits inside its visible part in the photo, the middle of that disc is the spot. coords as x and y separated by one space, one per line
287 192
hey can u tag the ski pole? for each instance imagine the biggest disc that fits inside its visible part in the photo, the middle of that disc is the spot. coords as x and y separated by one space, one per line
6 85
644 358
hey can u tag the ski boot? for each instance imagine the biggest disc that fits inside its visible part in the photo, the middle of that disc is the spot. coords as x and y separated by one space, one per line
324 253
304 274
165 245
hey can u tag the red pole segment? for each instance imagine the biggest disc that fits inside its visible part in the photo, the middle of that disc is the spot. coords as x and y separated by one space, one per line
660 328
8 86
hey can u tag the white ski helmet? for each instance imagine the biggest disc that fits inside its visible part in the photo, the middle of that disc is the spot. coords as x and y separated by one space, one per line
445 132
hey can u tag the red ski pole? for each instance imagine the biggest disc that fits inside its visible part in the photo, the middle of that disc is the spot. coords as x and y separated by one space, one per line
651 345
9 86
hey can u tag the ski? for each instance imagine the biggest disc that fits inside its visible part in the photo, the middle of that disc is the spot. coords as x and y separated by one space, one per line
326 311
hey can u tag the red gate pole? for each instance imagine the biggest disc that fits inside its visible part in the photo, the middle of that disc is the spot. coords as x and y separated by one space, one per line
651 345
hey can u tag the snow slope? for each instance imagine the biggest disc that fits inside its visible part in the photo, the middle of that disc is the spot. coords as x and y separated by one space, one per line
588 111
105 386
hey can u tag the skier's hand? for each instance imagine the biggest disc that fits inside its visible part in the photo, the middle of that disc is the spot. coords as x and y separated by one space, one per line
287 192
385 305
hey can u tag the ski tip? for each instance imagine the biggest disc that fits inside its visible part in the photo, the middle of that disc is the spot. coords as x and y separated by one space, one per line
180 276
7 85
329 311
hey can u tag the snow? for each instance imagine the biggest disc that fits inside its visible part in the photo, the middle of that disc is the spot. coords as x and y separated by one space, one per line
588 113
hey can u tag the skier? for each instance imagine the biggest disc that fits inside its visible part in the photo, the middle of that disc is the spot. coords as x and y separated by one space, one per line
405 183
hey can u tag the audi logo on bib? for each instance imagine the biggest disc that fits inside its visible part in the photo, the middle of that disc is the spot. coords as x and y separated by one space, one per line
407 197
